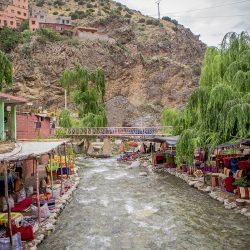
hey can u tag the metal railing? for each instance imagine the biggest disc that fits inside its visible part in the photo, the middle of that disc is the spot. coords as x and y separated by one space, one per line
117 131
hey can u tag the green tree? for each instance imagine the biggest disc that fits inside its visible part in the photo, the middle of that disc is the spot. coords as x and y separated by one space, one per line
219 109
5 71
9 39
65 120
24 25
88 90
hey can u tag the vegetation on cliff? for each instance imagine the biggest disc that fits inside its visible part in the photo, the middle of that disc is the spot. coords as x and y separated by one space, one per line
219 109
5 71
88 90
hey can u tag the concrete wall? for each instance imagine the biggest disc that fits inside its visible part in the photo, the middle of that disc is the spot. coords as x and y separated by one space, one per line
26 127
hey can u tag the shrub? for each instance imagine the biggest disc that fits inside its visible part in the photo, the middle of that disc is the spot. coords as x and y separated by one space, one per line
24 25
59 2
149 22
40 3
89 5
49 35
128 16
142 20
26 35
166 18
26 50
55 13
9 39
65 120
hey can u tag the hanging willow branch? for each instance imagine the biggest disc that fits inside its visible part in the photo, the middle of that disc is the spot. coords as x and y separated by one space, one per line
5 71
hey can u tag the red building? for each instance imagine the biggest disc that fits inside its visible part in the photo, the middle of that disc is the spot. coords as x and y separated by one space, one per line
34 126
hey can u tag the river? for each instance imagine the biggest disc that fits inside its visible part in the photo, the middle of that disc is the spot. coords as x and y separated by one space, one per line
115 208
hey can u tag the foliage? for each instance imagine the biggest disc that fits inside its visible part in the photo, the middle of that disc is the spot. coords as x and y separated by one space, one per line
65 120
24 25
241 182
5 71
219 109
88 93
49 35
169 116
9 39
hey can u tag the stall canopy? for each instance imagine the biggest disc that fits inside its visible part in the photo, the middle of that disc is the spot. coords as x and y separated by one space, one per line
26 150
245 142
170 140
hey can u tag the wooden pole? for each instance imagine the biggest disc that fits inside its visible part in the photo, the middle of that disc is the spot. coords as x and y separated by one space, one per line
37 191
7 202
61 170
65 157
51 174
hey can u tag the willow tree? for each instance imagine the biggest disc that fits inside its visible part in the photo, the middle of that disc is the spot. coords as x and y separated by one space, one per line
88 90
5 71
219 109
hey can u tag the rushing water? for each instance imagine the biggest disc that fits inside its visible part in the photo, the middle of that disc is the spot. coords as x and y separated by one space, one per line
114 208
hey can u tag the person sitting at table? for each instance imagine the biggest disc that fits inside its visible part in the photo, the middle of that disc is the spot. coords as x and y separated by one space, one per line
228 183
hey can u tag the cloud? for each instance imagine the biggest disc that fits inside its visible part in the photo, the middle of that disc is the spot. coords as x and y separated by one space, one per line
212 24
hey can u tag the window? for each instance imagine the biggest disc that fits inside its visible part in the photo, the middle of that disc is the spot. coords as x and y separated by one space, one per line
18 13
33 22
12 11
11 22
4 22
67 21
24 14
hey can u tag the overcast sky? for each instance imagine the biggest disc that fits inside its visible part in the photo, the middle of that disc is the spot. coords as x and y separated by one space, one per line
211 23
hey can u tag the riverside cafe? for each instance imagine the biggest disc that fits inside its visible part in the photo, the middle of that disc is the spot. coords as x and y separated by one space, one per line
235 158
25 209
165 151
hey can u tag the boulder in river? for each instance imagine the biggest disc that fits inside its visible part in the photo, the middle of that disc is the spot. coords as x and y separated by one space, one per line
143 174
135 164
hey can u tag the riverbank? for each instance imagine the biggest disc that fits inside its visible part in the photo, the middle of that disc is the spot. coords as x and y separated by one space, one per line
48 226
227 199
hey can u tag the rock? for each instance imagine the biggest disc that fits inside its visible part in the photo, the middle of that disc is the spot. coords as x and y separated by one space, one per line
135 164
49 227
207 189
143 174
243 210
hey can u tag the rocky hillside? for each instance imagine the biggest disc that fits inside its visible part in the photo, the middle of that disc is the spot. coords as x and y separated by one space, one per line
148 64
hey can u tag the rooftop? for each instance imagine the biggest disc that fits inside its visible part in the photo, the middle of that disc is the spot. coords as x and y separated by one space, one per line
12 99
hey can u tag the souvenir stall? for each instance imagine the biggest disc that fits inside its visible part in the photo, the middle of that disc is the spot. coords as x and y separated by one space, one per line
24 207
234 158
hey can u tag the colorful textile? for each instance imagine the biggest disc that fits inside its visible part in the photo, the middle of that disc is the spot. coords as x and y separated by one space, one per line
17 242
244 192
226 161
229 184
227 171
238 174
244 164
21 206
16 218
25 231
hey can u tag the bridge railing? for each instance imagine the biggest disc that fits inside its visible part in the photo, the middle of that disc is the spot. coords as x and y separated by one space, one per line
117 131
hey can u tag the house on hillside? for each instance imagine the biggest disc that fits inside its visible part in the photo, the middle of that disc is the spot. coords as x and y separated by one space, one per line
13 12
39 18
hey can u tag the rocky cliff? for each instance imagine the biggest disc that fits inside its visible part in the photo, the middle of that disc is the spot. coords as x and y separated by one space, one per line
148 66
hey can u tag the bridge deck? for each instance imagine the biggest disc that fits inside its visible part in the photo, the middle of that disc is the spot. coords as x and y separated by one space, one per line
118 131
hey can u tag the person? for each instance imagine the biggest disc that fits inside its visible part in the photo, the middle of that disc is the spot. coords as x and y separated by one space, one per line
11 180
228 183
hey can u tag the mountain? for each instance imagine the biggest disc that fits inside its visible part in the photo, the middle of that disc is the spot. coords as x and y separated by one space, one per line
148 64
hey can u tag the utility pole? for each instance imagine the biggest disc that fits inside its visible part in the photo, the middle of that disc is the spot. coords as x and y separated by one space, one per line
158 4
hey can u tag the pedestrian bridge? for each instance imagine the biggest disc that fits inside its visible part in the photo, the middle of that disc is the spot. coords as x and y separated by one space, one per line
116 131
